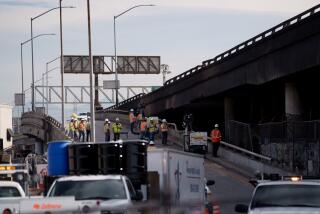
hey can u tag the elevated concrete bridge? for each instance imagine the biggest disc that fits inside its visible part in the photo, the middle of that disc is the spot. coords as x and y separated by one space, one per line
37 130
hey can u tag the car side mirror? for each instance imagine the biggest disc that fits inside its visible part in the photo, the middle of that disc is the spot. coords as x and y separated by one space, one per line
210 182
241 208
138 196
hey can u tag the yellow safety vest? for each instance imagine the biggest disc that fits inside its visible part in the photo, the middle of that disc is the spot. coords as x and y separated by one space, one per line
116 128
107 127
88 126
71 126
152 128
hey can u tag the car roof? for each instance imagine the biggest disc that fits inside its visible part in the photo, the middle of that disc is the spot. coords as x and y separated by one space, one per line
9 184
89 177
308 182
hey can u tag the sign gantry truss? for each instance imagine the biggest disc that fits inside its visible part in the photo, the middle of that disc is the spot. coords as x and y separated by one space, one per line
81 94
105 64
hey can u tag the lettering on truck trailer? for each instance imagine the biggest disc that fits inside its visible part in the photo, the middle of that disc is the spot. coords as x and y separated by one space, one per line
46 206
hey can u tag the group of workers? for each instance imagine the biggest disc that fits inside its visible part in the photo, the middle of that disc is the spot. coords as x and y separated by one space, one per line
115 127
148 128
80 129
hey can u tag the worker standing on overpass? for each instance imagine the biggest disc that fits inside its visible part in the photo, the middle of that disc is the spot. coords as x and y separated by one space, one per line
215 138
164 131
143 126
116 128
132 119
107 130
88 130
82 128
152 129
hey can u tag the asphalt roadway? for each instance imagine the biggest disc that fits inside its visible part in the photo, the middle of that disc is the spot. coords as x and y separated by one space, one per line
230 187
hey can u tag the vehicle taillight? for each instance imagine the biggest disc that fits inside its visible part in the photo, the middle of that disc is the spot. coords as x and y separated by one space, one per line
207 211
7 211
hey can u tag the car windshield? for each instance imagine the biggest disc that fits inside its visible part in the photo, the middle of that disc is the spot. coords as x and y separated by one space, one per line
90 189
8 192
287 196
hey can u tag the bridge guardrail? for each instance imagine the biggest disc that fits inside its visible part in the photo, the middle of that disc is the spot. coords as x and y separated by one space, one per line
249 43
233 147
138 96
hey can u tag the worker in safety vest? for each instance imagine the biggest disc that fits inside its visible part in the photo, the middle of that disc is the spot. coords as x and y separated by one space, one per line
116 128
82 129
143 128
71 128
164 131
76 129
132 120
107 129
215 138
152 129
88 130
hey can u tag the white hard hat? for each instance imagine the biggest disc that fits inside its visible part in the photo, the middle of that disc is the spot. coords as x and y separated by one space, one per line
151 143
117 119
216 126
131 109
106 120
164 120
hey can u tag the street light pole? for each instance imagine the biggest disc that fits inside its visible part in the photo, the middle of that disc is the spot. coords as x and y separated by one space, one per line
61 68
47 71
55 8
115 44
22 86
21 50
93 133
32 85
115 58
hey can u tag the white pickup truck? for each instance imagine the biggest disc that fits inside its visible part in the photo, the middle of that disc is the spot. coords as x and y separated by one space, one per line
113 193
10 195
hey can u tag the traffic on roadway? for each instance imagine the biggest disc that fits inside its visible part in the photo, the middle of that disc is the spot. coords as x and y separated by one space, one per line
133 175
237 133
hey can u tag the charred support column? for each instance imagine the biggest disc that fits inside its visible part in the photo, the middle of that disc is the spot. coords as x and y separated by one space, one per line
292 102
228 115
293 113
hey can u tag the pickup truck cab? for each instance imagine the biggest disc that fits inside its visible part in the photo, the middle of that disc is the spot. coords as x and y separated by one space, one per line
288 197
10 195
111 192
10 189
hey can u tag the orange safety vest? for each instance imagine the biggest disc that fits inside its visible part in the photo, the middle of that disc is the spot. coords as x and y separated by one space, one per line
164 127
131 117
143 126
215 136
81 126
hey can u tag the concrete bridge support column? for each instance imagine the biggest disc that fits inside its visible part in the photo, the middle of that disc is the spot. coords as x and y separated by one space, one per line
293 112
293 107
228 115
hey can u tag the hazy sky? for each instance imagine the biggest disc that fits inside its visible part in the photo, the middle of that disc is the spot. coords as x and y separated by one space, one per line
183 32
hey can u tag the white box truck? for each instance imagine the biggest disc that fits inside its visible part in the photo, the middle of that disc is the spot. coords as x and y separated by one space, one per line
5 126
181 178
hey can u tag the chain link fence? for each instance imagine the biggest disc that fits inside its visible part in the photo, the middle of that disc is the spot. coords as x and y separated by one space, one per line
292 145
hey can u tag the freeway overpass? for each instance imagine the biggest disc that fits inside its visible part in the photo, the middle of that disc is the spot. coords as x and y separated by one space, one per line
262 91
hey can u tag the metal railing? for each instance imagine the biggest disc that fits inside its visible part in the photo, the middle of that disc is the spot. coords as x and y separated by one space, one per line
138 96
244 151
230 146
249 43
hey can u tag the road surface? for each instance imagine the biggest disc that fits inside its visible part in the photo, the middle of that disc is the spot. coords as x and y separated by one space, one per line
230 188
